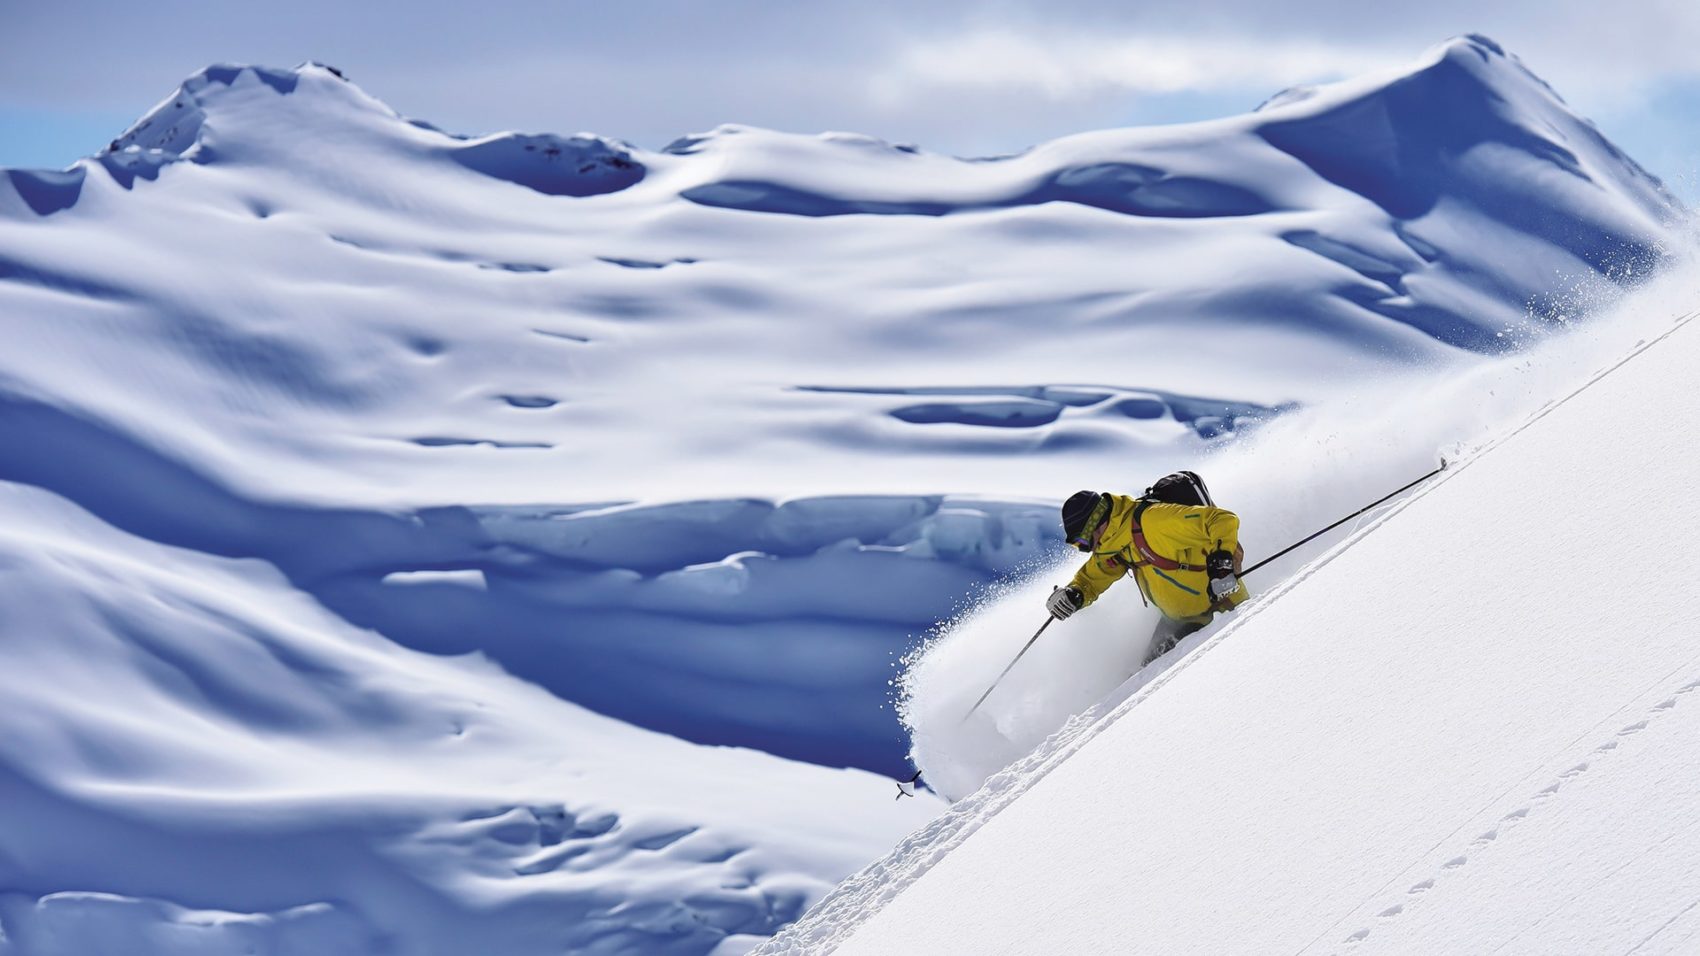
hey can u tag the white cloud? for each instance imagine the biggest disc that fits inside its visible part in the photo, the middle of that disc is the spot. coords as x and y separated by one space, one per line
966 76
1077 67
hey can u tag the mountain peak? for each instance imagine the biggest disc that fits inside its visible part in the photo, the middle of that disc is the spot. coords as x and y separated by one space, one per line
1476 55
1478 40
173 127
1482 58
1446 128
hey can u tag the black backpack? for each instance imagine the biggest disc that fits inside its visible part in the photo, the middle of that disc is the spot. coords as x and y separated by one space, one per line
1180 488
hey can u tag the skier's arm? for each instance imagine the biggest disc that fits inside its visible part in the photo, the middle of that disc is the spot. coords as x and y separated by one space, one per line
1096 575
1221 526
1222 538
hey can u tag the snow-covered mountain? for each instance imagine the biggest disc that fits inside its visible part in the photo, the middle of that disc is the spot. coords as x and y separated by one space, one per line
502 544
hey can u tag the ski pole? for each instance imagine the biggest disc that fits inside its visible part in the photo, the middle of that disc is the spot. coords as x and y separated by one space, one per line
1006 670
1344 520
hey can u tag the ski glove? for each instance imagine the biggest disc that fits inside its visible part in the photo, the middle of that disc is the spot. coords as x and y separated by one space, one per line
1219 565
1064 601
1223 588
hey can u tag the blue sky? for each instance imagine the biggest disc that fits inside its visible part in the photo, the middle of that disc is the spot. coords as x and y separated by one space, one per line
952 76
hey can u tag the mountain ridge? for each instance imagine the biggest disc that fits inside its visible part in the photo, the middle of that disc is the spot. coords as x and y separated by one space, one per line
170 129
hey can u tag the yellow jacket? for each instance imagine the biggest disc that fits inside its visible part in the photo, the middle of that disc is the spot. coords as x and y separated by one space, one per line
1182 533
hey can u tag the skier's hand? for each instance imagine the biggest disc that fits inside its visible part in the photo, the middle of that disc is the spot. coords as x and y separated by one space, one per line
1064 601
1222 588
1219 565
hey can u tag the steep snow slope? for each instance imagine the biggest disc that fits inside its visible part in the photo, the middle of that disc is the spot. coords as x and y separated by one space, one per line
1467 730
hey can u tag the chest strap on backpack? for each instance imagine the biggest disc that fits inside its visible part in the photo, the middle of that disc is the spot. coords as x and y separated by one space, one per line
1143 550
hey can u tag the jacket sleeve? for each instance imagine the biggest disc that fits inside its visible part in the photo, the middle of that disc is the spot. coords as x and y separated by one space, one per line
1096 575
1223 526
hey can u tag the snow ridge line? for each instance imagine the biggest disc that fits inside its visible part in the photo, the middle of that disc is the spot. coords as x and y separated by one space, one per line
1677 325
1465 460
836 917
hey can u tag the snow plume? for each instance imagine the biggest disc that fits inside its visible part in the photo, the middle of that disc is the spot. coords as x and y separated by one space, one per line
1066 669
1295 475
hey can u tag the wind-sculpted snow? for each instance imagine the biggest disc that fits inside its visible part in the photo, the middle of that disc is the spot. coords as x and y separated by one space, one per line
1043 405
325 790
1416 158
389 514
46 192
644 613
651 614
552 165
1124 188
1432 150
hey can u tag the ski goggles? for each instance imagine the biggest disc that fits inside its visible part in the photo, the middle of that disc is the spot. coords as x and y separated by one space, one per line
1082 540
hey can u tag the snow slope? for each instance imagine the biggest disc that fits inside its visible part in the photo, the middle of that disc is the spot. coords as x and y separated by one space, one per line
199 758
336 441
1467 729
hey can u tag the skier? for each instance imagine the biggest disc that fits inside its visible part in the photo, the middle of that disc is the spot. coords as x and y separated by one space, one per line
1183 552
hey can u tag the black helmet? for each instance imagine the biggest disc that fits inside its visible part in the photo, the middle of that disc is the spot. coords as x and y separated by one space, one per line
1082 512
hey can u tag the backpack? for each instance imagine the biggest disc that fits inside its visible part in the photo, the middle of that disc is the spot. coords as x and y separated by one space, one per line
1180 488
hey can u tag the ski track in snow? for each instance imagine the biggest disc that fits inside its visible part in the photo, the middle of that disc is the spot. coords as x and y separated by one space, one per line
1595 761
1557 785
